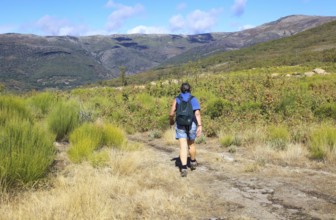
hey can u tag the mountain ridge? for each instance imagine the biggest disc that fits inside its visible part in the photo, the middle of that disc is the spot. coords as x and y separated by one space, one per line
37 62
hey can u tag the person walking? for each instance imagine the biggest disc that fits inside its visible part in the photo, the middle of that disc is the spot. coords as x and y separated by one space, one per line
187 134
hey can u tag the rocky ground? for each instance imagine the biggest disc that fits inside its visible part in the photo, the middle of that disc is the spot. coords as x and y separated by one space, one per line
238 187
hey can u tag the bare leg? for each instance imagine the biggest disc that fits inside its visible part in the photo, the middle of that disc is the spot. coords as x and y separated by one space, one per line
192 149
183 151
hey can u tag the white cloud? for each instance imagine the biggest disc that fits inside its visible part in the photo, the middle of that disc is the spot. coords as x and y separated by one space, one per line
196 22
123 12
245 27
54 26
239 7
177 23
141 29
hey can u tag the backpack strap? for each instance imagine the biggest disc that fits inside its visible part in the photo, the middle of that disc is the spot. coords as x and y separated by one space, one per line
190 98
181 99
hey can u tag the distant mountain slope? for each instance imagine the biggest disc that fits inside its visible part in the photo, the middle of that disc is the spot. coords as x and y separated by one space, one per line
312 48
283 27
29 61
35 62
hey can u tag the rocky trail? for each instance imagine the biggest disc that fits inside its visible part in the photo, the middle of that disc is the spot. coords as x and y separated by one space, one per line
236 187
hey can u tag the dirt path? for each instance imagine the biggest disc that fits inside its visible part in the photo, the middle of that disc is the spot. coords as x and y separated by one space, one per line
237 188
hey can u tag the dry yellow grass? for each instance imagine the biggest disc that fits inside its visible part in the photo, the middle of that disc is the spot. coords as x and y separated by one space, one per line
142 183
169 137
294 154
134 186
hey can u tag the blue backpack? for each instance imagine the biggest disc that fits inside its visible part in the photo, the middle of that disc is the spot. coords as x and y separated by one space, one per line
184 112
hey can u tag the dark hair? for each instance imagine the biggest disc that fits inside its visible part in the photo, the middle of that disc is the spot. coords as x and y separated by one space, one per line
185 87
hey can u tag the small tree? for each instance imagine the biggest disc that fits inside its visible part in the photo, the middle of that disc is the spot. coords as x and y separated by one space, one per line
122 70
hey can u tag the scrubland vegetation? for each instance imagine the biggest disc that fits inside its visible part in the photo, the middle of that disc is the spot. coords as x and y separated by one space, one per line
289 110
275 112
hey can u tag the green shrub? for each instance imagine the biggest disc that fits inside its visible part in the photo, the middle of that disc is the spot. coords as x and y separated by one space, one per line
145 100
250 106
11 106
113 136
42 102
278 137
201 139
218 107
287 105
162 122
98 159
64 118
326 110
84 140
226 140
88 138
323 142
26 152
155 134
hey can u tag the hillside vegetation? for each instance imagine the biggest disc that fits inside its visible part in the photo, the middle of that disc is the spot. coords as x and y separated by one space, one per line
289 110
309 49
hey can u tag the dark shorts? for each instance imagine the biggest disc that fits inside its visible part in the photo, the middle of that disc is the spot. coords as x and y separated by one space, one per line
181 132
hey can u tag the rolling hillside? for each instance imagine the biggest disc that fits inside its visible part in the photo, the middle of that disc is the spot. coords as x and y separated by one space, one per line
36 62
315 47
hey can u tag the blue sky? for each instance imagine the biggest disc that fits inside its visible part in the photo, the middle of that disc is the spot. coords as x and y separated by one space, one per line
90 17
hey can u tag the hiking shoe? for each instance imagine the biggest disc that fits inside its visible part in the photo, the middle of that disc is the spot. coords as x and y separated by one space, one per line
183 172
193 165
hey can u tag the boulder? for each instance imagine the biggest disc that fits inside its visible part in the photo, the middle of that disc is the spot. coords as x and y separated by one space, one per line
320 71
309 74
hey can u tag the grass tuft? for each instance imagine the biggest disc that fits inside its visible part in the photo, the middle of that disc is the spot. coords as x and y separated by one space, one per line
226 140
89 137
42 103
63 119
113 136
278 137
323 142
26 152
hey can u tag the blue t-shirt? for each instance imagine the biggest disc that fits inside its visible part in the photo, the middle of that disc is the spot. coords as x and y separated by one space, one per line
194 102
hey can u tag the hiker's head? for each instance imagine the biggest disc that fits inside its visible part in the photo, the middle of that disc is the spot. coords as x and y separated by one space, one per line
185 87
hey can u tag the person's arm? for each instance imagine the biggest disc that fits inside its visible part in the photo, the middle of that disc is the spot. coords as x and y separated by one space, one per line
199 122
172 113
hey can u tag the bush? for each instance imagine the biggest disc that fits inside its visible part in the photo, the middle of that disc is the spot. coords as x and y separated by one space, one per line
218 107
63 119
323 142
113 136
226 140
42 102
201 139
250 106
98 159
278 137
88 138
11 107
287 105
26 152
327 110
84 140
155 134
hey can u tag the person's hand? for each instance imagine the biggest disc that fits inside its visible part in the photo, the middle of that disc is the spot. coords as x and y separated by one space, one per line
199 131
171 121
